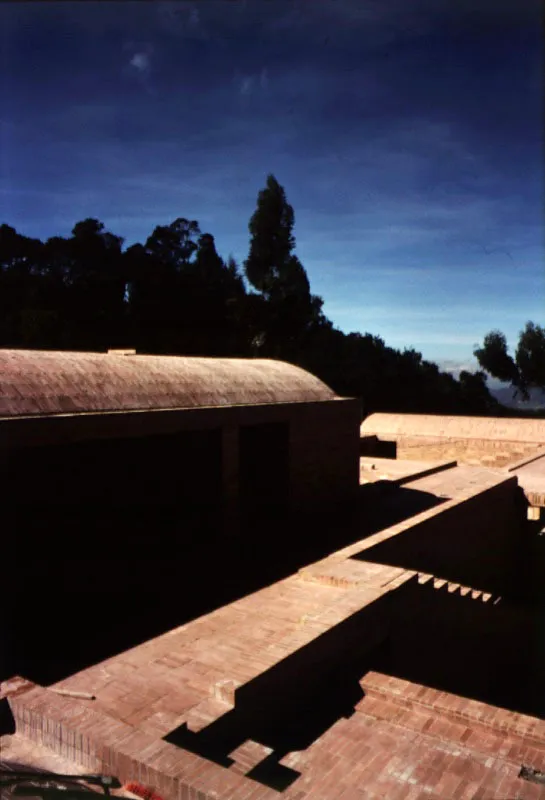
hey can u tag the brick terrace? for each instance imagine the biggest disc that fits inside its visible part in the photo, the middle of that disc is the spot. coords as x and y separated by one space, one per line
228 691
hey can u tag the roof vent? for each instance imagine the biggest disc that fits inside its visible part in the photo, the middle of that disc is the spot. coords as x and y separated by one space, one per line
121 352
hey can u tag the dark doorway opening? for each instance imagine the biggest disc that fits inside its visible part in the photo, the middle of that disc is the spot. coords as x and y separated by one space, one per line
264 471
379 448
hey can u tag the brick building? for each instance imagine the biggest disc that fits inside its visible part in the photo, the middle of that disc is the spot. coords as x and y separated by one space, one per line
208 434
402 657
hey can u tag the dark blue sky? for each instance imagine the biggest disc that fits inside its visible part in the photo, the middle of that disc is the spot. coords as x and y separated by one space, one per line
408 136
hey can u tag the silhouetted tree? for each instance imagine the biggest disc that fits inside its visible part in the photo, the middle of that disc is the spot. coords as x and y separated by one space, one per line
24 319
525 371
275 271
157 284
96 286
475 394
530 356
272 241
217 295
174 244
175 294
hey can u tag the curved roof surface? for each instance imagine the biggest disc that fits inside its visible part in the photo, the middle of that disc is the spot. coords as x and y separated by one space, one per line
37 382
438 426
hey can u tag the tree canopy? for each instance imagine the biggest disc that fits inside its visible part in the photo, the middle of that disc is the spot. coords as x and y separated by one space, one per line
175 294
526 370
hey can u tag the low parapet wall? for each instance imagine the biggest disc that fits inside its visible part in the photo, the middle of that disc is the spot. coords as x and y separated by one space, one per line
466 451
442 426
470 540
490 441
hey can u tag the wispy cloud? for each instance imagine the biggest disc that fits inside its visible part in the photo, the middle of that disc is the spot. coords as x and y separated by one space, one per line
182 20
252 83
141 62
246 85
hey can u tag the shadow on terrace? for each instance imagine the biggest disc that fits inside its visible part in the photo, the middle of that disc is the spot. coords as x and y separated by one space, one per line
457 643
287 707
90 580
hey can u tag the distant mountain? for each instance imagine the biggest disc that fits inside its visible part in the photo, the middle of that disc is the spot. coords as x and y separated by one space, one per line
505 396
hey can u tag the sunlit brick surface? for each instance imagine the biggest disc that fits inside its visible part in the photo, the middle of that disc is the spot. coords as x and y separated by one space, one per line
217 679
474 441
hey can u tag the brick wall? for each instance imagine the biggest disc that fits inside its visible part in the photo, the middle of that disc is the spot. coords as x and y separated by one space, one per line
324 454
295 678
473 451
472 542
468 643
455 427
536 498
489 441
102 744
485 452
323 446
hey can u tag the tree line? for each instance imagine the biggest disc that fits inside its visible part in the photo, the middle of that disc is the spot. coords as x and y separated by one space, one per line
174 294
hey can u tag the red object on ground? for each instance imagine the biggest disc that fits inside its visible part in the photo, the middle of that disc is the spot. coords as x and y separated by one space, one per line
145 792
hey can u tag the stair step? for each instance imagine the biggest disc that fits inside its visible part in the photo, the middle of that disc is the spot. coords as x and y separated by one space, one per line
442 585
458 710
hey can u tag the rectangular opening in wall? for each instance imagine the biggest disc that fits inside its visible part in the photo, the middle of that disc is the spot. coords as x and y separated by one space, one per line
264 470
380 448
386 449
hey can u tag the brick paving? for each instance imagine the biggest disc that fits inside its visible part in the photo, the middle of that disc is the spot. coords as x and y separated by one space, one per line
236 688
